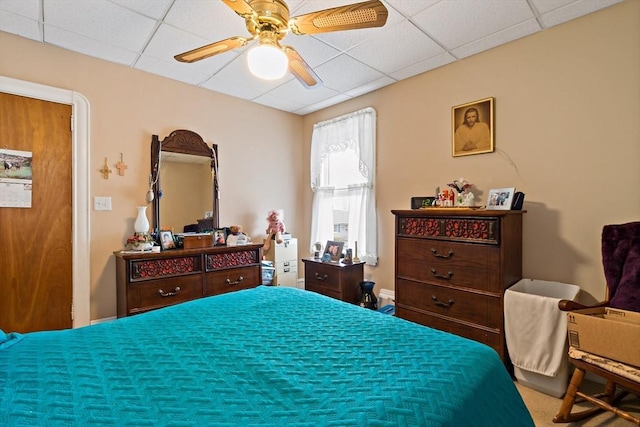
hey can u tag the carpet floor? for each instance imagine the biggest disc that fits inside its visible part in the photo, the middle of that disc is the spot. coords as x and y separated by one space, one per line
544 407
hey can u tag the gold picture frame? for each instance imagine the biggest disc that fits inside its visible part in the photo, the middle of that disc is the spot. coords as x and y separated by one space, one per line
472 128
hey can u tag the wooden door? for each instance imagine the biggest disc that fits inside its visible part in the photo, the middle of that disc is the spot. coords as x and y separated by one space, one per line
36 276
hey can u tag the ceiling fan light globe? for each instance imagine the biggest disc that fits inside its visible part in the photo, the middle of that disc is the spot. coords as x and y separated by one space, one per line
267 62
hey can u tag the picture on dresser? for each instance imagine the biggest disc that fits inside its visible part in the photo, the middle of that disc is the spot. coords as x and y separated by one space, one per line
472 128
166 240
220 237
334 249
500 198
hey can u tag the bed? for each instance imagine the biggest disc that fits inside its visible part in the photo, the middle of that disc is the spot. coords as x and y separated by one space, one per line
269 356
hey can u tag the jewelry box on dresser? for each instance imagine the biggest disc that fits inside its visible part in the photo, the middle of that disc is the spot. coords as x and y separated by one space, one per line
452 267
147 280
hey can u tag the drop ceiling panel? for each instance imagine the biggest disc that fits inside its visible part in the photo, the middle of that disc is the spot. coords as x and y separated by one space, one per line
313 51
100 20
544 6
403 45
419 36
18 24
169 41
172 70
24 8
235 79
345 73
574 10
423 66
294 90
497 38
456 23
155 9
370 86
212 20
88 46
408 8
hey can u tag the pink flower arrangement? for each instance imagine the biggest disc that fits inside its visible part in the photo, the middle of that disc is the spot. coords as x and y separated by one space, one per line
139 238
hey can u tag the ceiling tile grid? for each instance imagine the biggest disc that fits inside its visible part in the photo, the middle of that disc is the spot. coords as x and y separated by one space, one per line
419 36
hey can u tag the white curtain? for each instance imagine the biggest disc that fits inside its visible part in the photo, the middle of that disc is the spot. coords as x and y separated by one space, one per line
356 131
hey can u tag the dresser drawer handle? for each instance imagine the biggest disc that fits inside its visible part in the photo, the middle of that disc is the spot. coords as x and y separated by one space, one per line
237 282
169 294
435 253
440 303
321 278
442 276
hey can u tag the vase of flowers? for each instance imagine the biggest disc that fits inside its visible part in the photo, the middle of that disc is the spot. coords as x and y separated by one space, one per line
140 241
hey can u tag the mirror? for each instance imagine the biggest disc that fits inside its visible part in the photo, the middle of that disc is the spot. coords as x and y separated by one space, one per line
184 182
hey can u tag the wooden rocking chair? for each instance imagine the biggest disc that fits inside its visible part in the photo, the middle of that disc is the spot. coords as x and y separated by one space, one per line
621 262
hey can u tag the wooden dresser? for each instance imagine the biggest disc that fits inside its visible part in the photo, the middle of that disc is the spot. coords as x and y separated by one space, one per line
452 267
336 280
147 281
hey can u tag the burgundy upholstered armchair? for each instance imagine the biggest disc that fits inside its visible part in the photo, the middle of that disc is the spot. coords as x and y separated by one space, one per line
621 262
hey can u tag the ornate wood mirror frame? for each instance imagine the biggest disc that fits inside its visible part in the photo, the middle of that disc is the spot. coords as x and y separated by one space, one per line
182 142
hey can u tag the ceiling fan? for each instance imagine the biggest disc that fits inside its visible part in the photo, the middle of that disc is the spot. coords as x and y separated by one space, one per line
268 22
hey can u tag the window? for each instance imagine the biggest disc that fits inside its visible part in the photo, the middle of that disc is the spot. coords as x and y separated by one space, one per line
343 182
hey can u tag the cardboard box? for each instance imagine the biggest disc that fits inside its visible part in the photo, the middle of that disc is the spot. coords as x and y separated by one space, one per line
197 241
607 332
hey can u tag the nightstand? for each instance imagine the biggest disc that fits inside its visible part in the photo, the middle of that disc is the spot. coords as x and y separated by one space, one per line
336 280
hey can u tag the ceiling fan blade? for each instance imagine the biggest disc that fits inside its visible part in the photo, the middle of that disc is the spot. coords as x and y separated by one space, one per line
212 49
367 14
240 7
300 69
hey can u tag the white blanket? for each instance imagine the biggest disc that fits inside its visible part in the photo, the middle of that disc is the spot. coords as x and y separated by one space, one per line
536 332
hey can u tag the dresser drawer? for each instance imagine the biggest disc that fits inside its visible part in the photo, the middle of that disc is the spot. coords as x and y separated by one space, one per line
492 338
155 269
149 295
288 249
324 291
318 275
233 279
464 265
484 310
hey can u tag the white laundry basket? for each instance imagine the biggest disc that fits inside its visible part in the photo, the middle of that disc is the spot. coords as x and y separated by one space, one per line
533 303
386 297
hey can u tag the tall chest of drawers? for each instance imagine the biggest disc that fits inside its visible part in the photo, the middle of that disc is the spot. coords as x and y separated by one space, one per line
452 267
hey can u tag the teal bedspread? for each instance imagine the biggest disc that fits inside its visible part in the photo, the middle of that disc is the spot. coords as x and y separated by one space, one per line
269 356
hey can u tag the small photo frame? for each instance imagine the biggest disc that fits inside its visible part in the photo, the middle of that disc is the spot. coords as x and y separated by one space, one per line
334 249
500 198
219 237
166 240
472 128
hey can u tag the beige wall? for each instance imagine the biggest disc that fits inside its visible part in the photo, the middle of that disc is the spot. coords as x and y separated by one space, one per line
567 119
260 148
567 134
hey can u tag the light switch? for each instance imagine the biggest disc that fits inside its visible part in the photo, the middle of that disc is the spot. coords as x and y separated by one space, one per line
102 203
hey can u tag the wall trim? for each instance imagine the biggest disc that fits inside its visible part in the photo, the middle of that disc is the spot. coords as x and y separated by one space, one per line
80 222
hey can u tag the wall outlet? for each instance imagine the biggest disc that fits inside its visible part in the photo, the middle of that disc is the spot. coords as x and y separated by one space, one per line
102 203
